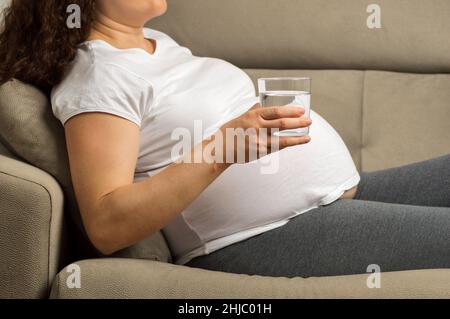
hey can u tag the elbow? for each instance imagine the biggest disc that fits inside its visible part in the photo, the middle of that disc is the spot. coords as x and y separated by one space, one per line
103 242
103 236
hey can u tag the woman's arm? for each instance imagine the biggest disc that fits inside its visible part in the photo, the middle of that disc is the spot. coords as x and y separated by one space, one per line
116 212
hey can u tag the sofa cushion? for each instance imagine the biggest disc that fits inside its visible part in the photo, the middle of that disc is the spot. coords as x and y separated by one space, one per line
29 131
107 278
406 118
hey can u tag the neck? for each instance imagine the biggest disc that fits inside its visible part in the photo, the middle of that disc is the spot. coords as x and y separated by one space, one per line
117 34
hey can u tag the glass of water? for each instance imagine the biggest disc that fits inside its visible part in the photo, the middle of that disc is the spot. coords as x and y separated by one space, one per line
287 91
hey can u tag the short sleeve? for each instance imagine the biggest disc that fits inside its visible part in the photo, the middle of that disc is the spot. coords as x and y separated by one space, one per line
102 87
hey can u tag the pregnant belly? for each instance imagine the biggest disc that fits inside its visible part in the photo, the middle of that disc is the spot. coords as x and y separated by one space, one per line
305 177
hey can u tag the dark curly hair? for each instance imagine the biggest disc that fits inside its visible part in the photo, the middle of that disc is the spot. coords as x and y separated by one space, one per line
35 43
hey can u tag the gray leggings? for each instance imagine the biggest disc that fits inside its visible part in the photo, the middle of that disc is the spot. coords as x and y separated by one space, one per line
399 220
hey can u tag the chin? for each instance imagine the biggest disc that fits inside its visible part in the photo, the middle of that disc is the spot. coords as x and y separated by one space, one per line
157 8
143 10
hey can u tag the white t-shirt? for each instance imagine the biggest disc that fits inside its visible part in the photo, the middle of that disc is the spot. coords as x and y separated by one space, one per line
173 89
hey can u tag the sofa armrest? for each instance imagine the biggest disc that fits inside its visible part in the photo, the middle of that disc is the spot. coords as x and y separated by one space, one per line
129 278
31 214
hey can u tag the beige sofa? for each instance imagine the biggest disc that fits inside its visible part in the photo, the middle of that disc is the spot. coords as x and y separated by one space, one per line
387 92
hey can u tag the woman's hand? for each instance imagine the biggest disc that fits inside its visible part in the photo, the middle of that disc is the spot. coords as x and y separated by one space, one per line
250 136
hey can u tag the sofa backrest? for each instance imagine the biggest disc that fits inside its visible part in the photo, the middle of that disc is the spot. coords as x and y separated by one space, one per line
314 34
386 90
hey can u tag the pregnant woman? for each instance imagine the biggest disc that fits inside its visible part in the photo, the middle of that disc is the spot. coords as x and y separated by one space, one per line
121 90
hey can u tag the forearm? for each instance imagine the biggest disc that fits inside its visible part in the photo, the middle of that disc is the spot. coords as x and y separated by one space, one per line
133 212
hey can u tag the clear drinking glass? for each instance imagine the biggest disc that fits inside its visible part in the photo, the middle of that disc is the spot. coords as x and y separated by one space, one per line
287 91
